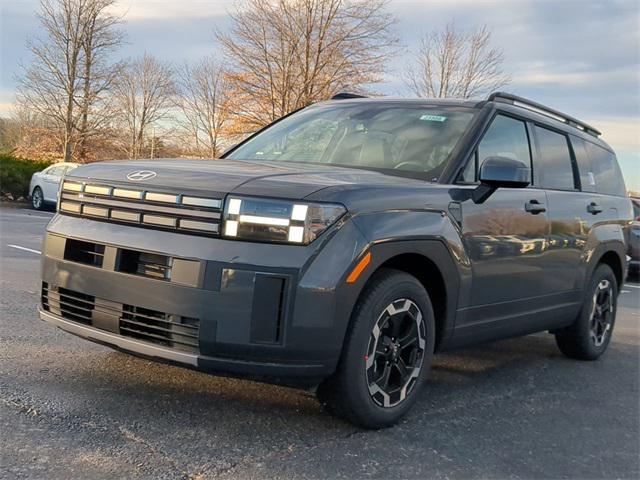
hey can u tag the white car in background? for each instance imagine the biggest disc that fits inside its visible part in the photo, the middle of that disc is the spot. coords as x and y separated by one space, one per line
44 185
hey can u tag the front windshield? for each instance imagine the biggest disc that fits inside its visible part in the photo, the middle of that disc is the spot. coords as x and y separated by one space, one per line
383 137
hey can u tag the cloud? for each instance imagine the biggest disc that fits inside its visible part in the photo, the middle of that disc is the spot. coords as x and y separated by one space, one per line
135 10
580 74
623 134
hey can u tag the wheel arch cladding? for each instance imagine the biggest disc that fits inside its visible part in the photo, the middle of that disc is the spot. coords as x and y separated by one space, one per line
613 260
430 277
427 260
606 244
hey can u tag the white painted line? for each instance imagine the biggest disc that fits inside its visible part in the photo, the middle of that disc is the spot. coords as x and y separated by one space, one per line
630 285
25 249
625 291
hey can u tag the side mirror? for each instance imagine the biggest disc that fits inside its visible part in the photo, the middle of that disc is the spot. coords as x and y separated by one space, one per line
496 172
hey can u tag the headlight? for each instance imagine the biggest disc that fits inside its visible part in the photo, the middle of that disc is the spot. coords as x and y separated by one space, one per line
278 220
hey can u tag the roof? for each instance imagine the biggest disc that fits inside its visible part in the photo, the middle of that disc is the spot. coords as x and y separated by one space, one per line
471 103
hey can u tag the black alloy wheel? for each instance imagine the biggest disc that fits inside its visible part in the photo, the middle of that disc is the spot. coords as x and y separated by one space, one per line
388 350
602 312
395 353
590 334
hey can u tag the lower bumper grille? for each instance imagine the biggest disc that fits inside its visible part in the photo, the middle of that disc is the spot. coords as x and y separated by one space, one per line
68 304
160 328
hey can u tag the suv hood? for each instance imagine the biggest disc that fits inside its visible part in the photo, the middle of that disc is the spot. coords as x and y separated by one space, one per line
290 180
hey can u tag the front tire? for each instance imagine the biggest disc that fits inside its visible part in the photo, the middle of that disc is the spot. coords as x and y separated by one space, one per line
387 353
37 199
589 337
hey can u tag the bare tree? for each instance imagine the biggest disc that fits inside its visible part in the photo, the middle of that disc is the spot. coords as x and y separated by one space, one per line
456 64
204 101
101 38
70 66
143 95
286 54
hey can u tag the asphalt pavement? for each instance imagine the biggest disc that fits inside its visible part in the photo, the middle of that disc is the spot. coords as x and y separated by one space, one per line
512 409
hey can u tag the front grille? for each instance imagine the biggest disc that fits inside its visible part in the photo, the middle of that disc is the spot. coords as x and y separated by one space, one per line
153 209
151 326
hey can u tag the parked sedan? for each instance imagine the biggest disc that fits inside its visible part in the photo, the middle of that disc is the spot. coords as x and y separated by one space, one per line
44 185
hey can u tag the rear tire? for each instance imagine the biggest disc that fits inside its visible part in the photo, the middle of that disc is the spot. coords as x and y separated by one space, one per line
37 199
589 337
387 353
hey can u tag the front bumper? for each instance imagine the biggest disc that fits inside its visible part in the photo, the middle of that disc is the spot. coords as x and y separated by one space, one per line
254 310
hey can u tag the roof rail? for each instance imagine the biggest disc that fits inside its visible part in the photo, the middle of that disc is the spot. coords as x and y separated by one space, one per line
543 110
347 95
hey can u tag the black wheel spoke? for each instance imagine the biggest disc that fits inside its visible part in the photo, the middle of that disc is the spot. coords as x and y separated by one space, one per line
408 342
395 327
402 368
383 381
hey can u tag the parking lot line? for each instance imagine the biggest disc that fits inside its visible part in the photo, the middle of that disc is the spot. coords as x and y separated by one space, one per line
24 248
631 285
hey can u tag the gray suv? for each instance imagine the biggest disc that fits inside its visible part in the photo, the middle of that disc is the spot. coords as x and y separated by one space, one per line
342 246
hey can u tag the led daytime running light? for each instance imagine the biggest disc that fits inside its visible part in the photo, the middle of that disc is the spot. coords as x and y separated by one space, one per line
295 232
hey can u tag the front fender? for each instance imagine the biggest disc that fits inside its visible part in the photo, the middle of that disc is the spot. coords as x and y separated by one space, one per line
428 233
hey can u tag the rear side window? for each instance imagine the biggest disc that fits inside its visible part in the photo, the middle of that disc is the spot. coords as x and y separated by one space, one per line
609 179
505 137
587 176
552 167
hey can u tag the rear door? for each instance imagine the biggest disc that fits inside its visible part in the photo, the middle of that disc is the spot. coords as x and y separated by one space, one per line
602 193
578 177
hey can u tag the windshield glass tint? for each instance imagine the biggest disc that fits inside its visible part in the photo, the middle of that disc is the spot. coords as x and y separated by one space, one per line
384 137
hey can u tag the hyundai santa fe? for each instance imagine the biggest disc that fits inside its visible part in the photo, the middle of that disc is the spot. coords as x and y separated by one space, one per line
341 247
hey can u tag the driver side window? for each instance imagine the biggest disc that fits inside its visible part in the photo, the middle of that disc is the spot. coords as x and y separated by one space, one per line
505 137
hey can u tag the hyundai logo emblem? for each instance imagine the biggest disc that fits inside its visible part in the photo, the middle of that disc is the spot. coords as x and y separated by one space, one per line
140 175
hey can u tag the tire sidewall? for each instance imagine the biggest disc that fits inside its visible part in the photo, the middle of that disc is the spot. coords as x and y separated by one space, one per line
398 285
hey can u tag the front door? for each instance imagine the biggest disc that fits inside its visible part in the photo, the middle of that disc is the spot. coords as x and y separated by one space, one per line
506 240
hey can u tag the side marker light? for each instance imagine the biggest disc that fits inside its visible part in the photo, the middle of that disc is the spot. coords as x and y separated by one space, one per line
359 268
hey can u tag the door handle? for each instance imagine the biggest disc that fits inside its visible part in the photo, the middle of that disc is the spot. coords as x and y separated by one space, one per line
534 207
594 208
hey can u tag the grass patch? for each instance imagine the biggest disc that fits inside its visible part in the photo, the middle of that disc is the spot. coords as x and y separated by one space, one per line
15 174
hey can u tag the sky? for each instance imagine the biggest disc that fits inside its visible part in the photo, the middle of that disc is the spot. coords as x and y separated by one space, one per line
581 57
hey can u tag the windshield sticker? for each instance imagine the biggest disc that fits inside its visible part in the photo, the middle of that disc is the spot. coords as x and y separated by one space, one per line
433 118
